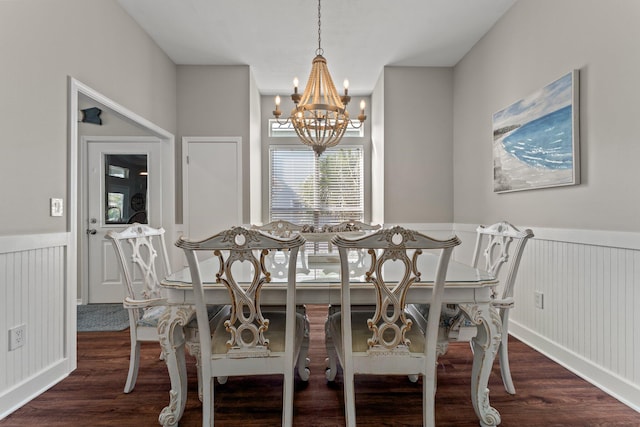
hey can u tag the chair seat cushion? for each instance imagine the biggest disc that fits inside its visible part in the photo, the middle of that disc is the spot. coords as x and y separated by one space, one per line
360 332
151 315
275 334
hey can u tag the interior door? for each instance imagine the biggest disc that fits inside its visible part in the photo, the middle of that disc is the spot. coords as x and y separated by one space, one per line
212 185
124 186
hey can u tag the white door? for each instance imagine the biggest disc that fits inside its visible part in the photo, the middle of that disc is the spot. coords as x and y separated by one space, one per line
212 185
123 186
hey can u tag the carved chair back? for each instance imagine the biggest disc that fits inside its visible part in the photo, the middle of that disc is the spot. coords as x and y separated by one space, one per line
247 342
279 228
380 343
494 242
246 325
137 249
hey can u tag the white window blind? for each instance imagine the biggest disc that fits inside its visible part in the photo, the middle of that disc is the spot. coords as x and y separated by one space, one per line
307 189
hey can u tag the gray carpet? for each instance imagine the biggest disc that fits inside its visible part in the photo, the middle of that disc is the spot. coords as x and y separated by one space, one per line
102 317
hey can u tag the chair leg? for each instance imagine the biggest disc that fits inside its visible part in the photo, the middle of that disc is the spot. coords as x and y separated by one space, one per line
134 363
429 401
193 346
287 396
207 403
349 398
505 371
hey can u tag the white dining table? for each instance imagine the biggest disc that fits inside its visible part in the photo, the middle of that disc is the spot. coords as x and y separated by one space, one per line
470 288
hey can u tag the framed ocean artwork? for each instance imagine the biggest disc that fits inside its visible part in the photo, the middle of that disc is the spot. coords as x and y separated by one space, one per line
535 140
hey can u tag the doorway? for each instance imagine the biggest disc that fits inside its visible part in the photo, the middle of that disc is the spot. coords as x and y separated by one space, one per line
77 262
123 177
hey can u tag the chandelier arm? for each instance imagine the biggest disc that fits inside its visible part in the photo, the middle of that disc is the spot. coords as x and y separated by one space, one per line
282 123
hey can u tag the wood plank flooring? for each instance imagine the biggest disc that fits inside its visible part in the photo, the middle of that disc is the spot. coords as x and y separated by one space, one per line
547 394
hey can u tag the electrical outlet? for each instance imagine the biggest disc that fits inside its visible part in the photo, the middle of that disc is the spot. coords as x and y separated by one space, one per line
539 299
17 337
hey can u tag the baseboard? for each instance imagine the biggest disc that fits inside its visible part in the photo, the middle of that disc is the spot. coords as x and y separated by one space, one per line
612 384
21 394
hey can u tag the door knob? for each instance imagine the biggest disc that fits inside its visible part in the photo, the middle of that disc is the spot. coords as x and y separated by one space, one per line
92 231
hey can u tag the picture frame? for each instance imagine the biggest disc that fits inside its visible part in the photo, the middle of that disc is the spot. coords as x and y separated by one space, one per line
536 139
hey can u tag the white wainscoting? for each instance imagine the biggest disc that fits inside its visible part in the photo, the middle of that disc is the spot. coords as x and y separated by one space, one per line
34 291
590 320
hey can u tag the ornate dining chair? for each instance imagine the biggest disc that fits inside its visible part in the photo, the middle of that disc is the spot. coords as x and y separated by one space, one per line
494 243
138 263
382 341
252 340
138 249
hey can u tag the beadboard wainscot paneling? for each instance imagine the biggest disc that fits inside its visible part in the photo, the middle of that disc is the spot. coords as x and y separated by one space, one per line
34 292
590 280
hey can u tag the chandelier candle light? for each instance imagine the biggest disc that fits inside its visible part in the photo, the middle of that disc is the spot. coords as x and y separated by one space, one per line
320 116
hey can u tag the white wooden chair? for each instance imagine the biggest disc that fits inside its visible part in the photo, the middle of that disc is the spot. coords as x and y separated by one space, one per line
137 249
494 243
146 305
254 340
382 341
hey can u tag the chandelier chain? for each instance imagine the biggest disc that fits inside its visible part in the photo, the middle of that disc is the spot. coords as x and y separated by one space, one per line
319 51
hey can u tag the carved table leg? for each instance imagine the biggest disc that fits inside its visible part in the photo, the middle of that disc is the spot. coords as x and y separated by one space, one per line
485 346
332 360
172 341
303 360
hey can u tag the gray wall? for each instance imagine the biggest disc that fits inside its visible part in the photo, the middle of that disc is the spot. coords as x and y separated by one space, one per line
113 124
418 137
377 151
533 44
214 101
42 43
255 161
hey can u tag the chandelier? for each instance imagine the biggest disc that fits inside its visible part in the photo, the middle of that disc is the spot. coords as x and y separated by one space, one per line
320 117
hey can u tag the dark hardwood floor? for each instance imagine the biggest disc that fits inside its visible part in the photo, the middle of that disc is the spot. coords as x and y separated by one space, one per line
547 394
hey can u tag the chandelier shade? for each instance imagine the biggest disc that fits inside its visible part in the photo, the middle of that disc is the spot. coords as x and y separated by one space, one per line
320 117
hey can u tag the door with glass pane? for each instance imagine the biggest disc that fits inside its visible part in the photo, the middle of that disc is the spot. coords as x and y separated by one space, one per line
123 188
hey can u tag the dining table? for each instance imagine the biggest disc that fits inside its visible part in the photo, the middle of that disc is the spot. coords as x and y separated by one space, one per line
318 282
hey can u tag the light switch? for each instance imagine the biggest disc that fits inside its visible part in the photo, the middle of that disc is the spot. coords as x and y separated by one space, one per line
57 207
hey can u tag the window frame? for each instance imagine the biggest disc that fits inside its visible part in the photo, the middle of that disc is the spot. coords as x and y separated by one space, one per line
300 147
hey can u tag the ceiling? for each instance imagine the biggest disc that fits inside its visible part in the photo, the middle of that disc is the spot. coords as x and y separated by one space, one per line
279 38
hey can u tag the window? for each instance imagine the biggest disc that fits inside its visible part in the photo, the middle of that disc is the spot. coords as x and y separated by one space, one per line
125 188
118 171
115 203
286 130
307 189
